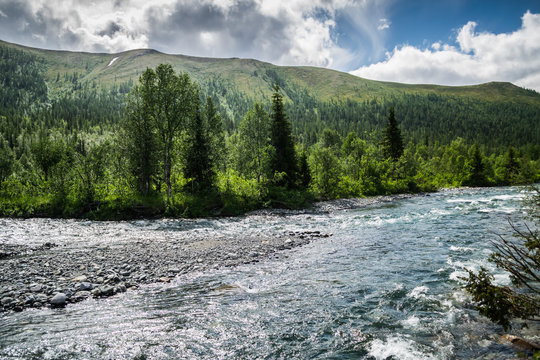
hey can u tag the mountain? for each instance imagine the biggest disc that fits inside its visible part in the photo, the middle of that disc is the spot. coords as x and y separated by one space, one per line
495 114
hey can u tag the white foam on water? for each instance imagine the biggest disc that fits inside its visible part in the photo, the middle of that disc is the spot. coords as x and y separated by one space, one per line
461 248
411 322
397 347
418 292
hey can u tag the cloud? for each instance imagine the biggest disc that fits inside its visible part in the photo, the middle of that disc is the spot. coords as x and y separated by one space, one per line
287 32
383 24
74 25
477 58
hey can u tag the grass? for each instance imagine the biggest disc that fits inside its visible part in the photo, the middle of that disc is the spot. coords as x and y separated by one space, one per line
324 84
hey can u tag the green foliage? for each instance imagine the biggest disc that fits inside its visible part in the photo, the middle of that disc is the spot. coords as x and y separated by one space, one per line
304 170
253 148
198 167
7 161
520 257
326 172
283 159
511 166
393 143
215 133
172 101
477 170
80 147
139 143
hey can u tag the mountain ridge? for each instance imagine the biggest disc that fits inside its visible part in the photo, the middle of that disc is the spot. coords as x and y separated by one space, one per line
245 73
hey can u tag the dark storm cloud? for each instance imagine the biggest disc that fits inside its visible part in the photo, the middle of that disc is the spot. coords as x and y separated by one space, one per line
238 30
283 32
111 29
19 24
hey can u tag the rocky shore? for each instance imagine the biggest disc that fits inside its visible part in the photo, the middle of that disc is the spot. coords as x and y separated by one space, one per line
54 275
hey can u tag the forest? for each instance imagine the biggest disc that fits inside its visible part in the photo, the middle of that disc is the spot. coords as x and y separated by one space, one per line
166 145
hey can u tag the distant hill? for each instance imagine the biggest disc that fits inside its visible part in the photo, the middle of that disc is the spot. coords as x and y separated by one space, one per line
494 114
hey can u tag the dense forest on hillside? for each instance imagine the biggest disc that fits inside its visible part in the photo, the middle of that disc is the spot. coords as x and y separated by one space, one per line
70 147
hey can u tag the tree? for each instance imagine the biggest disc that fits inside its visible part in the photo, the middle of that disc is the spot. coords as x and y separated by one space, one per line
171 101
139 141
284 156
254 140
511 166
304 171
520 257
330 139
6 161
353 149
47 154
89 165
198 165
392 143
214 124
477 172
326 171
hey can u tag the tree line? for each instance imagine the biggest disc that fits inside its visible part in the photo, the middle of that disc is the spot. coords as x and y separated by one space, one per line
175 153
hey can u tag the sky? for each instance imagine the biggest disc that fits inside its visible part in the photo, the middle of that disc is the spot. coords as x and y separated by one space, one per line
447 42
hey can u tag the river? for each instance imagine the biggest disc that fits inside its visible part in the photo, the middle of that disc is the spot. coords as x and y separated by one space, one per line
385 286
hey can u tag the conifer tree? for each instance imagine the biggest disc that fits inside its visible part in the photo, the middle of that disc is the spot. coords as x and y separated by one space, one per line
304 171
511 165
284 156
214 124
198 165
393 142
6 161
477 176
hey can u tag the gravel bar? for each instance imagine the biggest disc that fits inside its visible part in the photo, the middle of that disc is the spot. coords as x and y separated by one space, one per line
52 275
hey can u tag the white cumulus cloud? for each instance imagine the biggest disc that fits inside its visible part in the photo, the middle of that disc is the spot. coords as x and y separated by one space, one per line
476 58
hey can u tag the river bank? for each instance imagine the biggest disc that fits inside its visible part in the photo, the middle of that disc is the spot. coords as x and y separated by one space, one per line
385 284
55 274
52 274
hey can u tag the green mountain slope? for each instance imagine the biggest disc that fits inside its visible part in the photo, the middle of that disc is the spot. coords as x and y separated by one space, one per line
494 114
250 76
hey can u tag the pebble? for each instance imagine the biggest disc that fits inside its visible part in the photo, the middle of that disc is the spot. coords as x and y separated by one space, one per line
30 278
59 299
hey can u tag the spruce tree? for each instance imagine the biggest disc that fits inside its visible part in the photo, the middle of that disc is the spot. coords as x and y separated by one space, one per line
477 176
393 142
284 156
7 160
214 124
198 165
304 171
511 166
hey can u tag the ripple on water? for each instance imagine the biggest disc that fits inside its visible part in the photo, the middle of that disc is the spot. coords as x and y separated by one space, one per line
385 285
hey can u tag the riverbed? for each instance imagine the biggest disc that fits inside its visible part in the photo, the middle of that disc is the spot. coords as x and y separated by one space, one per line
370 279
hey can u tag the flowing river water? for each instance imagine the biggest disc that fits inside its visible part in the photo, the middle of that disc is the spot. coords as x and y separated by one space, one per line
386 285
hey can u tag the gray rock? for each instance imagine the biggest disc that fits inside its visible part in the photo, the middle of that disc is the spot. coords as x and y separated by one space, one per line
36 287
41 298
29 299
81 295
84 286
59 299
6 301
106 290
